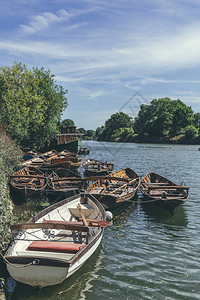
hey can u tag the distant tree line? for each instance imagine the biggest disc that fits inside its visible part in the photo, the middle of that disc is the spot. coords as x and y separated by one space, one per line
163 120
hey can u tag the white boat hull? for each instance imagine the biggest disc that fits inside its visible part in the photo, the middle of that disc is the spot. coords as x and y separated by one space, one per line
40 268
41 276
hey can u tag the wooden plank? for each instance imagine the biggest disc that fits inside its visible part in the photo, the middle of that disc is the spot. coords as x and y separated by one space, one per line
168 187
82 215
121 187
75 212
30 225
157 183
28 176
69 179
93 223
107 177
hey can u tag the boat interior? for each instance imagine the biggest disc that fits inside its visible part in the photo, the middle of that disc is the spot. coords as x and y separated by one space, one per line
51 240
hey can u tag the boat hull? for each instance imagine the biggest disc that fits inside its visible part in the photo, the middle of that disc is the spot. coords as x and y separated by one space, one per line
44 275
109 201
46 253
72 146
96 173
168 195
120 194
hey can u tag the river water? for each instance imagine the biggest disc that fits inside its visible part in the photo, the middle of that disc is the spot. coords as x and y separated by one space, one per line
146 253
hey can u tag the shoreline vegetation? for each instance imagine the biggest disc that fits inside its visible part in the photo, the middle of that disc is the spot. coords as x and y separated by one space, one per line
31 108
10 156
162 121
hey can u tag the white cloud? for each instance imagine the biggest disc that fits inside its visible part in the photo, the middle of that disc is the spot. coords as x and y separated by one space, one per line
43 21
155 55
95 95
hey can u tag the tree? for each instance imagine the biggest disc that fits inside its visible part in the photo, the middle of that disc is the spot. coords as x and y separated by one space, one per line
115 122
124 134
163 118
67 122
82 130
191 132
197 121
31 104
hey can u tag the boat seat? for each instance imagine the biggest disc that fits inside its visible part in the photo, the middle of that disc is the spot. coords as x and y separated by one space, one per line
93 224
63 222
61 247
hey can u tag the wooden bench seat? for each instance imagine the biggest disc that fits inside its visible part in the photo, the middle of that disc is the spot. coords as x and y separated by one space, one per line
76 223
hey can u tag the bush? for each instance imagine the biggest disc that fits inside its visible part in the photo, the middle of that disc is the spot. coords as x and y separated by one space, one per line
191 132
10 156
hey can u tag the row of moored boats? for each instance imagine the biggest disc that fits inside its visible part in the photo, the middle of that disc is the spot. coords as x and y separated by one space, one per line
57 241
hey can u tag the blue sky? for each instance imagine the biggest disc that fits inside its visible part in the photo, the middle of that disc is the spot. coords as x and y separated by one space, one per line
108 54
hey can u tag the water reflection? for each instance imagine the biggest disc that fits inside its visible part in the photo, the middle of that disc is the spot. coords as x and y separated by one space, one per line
159 215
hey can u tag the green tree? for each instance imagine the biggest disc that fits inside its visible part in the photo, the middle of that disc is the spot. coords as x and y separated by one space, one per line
67 122
115 122
99 133
163 118
124 134
31 104
82 130
197 121
191 132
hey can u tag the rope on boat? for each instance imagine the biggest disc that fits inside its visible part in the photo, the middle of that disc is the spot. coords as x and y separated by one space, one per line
34 262
132 201
141 202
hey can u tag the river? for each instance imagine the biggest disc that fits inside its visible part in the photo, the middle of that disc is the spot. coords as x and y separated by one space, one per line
146 253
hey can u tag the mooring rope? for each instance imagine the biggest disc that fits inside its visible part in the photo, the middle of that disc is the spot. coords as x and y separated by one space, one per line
132 201
34 262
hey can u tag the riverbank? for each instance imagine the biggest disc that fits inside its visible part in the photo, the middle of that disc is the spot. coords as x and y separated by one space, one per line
9 158
176 140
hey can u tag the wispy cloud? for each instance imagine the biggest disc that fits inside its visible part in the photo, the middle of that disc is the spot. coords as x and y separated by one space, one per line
169 52
43 21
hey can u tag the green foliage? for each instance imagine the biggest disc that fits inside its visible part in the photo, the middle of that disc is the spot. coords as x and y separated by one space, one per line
31 104
124 134
67 122
10 157
197 120
163 118
191 132
115 122
82 130
87 134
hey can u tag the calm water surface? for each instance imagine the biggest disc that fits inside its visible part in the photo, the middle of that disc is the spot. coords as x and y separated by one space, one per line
146 253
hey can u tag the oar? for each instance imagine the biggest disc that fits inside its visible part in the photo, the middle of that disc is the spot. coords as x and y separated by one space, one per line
82 215
124 185
100 223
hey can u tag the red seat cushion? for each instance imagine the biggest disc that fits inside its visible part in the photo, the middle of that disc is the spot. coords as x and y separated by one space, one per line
61 247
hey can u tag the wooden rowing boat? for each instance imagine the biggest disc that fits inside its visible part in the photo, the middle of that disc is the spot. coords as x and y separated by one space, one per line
94 167
53 160
39 160
60 187
115 189
164 192
26 182
50 249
